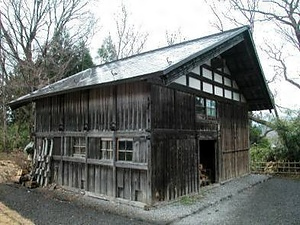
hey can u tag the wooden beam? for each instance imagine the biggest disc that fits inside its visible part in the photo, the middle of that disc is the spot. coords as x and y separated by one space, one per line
131 165
199 59
73 159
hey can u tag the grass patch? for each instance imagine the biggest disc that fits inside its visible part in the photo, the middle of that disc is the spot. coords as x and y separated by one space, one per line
187 200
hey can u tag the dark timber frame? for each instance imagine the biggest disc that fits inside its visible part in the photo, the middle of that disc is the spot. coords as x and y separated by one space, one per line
140 137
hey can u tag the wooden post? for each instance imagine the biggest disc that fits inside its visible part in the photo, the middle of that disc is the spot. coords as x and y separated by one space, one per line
60 176
86 180
113 127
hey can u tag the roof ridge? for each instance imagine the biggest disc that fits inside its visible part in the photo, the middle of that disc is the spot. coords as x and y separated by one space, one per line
242 28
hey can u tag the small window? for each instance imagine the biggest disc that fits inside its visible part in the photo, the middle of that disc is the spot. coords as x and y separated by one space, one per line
205 108
236 96
218 91
106 149
125 150
211 108
206 73
194 83
218 78
228 94
79 146
227 81
207 87
200 107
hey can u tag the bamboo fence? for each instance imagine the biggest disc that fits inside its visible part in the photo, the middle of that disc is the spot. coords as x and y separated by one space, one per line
276 167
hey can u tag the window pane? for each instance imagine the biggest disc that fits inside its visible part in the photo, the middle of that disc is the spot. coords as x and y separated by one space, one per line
228 94
194 83
199 101
128 156
207 73
236 96
109 154
210 103
125 150
129 145
227 81
103 144
207 88
122 156
218 91
109 145
103 154
199 107
218 78
211 112
79 147
211 108
82 150
106 149
122 145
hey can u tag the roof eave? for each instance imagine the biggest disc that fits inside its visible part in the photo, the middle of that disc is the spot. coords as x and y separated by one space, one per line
24 100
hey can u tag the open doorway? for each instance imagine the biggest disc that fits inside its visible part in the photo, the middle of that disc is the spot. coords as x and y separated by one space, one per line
207 167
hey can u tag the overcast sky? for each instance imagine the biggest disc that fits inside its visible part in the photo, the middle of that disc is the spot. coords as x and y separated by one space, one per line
194 19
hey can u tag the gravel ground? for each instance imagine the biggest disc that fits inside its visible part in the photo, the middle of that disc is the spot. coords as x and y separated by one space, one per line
276 201
43 206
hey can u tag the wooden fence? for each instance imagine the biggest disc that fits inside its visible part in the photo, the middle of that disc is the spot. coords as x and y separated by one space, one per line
276 167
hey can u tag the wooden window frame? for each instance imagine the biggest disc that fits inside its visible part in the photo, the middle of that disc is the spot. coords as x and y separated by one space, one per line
78 147
200 110
211 108
205 110
107 152
128 152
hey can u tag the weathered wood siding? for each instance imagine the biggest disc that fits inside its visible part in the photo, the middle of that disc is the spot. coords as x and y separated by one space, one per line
90 115
174 166
101 108
161 123
175 142
234 140
174 155
133 106
172 109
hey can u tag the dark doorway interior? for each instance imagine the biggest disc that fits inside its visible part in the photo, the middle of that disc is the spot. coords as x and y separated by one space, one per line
207 161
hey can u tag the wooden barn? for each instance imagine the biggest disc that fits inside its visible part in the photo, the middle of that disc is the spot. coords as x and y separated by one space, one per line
154 126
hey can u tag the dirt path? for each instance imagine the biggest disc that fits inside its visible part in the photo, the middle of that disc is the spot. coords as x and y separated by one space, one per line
11 217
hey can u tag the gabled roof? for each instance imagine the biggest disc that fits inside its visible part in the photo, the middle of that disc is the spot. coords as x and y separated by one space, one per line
164 63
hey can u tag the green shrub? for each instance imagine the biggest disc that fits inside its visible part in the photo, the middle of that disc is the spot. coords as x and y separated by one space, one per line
261 154
17 137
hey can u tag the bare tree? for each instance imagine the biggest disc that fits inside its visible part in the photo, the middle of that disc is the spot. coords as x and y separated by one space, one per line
30 28
127 41
29 31
284 15
173 37
231 13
